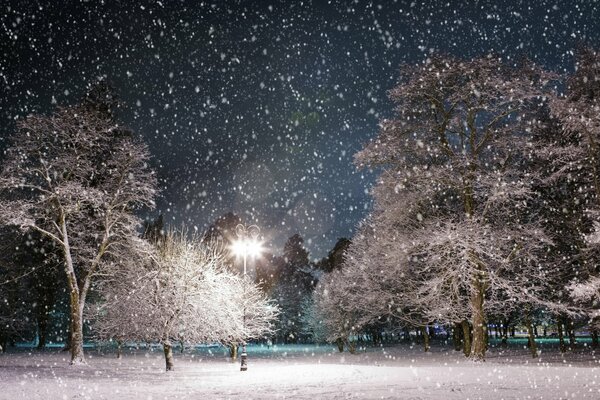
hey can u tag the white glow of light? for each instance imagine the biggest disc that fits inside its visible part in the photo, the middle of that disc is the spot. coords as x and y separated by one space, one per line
247 247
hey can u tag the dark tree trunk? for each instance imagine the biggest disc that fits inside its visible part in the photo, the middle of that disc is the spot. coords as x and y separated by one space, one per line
478 343
466 329
456 337
351 346
340 344
504 331
531 336
561 337
42 324
168 350
425 333
571 330
119 349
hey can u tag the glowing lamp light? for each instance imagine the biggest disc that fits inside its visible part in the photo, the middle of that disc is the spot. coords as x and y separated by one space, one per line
247 247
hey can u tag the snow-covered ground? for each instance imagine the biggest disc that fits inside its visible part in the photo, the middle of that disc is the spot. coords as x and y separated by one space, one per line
303 372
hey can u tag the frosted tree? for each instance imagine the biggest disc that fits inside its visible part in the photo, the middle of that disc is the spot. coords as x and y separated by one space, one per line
182 293
571 156
389 284
332 316
77 177
455 153
587 293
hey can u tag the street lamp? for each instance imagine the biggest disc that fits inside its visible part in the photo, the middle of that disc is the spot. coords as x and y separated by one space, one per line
247 244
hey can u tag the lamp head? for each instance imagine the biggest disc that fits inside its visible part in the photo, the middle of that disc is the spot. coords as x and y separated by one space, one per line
247 247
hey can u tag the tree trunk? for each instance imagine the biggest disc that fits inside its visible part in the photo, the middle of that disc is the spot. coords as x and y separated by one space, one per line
42 323
168 349
76 345
571 330
561 338
119 349
233 350
431 332
531 336
425 338
76 302
340 344
478 345
456 336
351 346
466 329
504 332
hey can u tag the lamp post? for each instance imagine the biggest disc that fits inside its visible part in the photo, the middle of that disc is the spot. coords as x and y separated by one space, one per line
247 244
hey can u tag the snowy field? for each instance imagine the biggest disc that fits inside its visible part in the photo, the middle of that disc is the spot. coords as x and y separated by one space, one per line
302 372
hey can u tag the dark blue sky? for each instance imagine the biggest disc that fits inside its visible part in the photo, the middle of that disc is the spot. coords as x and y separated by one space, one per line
257 107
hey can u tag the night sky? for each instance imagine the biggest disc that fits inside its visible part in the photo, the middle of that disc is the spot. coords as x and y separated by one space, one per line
257 107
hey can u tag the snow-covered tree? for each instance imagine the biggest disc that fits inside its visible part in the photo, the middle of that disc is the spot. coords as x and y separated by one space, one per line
76 177
381 285
182 293
452 201
335 315
571 155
